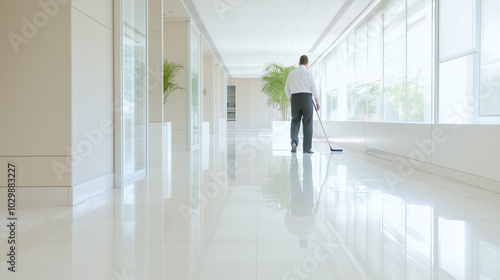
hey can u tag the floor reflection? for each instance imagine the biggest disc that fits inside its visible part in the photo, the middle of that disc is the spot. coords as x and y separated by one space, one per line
248 212
301 216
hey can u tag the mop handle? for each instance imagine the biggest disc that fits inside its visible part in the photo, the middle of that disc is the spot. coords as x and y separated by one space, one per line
321 124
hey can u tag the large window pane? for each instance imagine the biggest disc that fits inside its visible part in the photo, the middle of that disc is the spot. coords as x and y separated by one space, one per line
456 90
329 63
457 25
490 90
355 104
351 51
361 56
375 47
419 57
365 103
394 60
332 105
375 111
341 72
490 59
134 88
351 104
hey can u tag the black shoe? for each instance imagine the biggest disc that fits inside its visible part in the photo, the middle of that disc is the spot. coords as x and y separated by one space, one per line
309 152
294 148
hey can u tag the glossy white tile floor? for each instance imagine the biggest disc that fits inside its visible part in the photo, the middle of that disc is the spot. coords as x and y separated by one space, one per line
238 210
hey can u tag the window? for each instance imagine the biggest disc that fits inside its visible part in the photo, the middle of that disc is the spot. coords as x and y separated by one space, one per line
394 60
456 86
418 61
457 59
386 67
361 55
457 26
489 100
374 34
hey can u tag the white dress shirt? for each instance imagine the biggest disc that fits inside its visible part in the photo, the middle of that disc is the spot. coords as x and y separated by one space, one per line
301 80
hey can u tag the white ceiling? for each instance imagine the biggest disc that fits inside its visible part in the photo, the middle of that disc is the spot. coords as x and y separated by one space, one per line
174 9
249 34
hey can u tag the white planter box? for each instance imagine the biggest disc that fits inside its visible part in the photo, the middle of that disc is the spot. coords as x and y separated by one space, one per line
281 136
156 143
168 141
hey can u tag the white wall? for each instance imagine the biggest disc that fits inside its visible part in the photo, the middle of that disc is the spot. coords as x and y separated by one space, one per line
467 153
35 100
92 92
252 113
36 84
57 90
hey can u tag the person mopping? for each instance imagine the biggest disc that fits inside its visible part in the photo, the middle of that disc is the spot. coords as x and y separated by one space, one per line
300 88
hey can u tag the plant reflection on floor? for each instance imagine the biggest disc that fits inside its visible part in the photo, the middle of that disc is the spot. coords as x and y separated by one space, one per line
277 188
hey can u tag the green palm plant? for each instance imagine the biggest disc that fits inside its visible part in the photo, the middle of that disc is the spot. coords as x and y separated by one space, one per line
274 80
170 70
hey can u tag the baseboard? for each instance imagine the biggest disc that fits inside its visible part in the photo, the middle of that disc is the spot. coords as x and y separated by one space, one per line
38 196
482 183
58 196
89 189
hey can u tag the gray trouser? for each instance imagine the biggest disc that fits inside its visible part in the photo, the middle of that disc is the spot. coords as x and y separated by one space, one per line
302 109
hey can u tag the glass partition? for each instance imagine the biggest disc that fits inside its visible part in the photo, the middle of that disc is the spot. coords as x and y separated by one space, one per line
194 97
134 88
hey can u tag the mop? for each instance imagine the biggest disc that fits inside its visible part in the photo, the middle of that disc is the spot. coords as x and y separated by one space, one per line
331 149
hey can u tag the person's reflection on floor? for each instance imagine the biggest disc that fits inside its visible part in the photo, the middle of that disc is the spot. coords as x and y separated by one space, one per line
300 218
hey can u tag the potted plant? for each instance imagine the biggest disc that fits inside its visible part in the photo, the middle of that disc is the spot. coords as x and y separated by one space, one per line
170 70
274 80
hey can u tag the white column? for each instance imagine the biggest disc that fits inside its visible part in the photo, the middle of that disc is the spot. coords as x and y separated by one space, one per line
157 130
